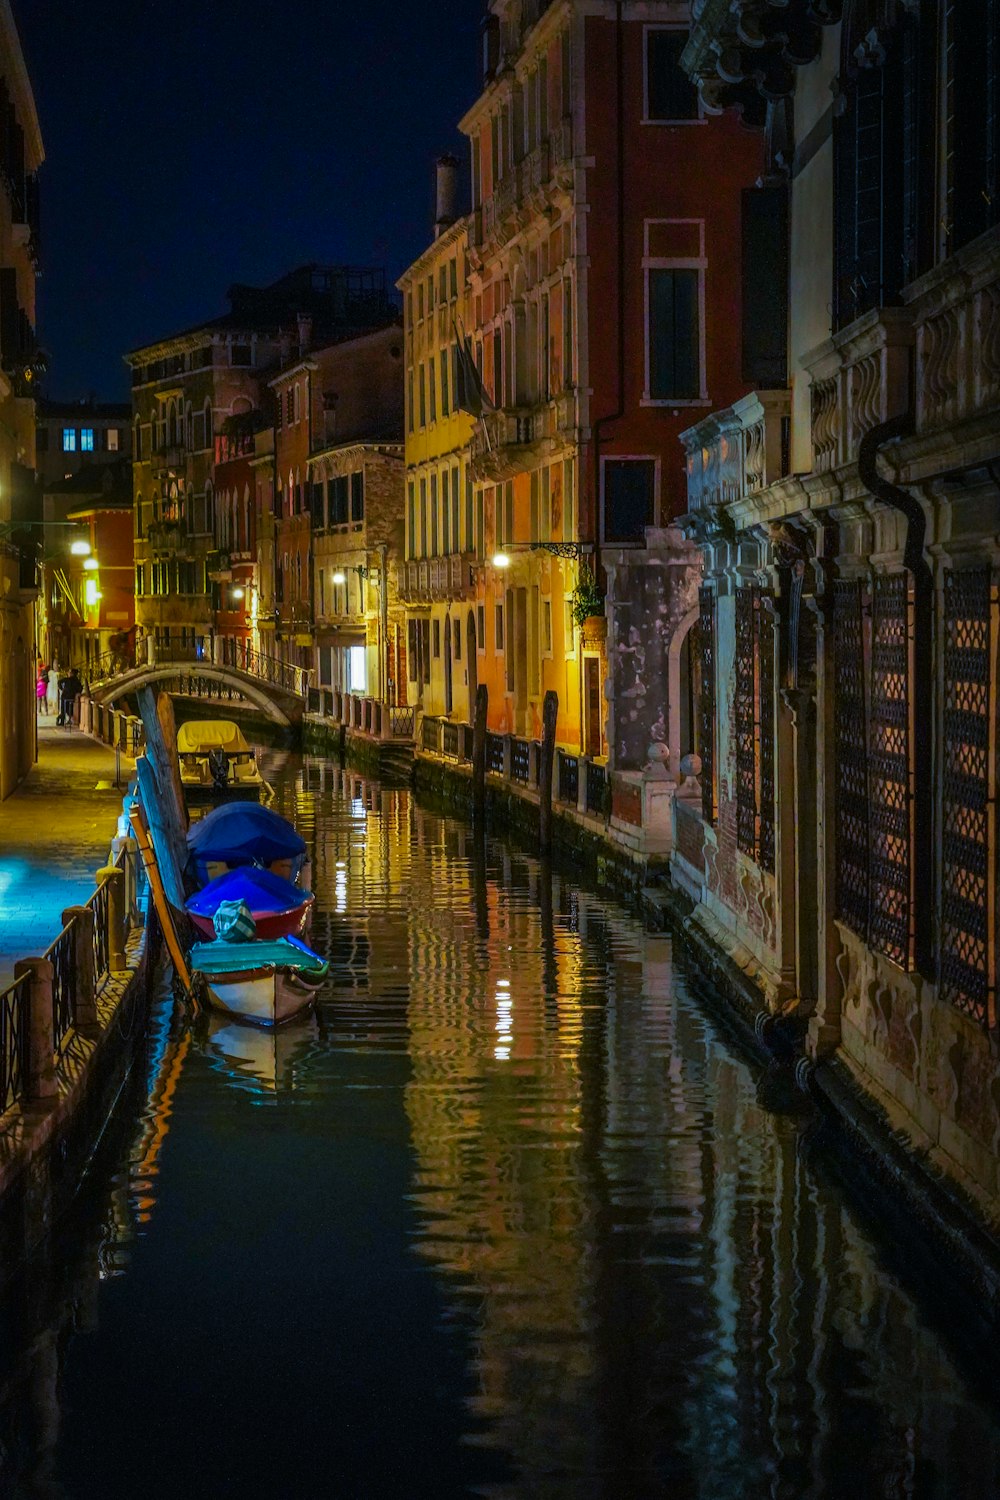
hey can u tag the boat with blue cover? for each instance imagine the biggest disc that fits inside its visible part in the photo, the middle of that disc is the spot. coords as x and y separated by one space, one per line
244 833
278 907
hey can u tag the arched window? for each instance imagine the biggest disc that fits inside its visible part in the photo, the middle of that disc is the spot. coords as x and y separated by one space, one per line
209 426
137 442
209 507
139 531
246 518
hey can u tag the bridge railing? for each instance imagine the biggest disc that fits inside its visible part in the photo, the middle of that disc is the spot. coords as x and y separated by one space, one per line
385 721
209 650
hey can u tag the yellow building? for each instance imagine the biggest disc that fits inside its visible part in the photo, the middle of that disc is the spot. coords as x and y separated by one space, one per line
443 540
19 368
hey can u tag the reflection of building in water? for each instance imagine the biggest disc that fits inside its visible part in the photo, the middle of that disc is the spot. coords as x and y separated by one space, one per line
658 1285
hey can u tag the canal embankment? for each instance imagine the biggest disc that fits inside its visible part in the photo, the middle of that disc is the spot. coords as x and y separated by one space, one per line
77 956
890 1165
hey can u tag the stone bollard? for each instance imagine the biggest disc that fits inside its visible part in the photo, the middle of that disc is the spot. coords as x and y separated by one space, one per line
82 918
41 1081
114 878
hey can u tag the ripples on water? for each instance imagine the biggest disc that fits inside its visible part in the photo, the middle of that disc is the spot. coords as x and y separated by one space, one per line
504 1218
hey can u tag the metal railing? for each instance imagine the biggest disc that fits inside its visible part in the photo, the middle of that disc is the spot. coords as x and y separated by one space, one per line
99 905
569 778
597 782
402 721
494 753
450 739
520 761
62 956
14 1041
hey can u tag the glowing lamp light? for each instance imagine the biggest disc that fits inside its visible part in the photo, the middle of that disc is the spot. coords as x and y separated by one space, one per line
339 577
80 549
501 560
239 593
91 594
90 563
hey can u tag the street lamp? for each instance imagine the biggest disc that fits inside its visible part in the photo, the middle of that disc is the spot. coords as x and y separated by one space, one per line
90 564
79 548
558 549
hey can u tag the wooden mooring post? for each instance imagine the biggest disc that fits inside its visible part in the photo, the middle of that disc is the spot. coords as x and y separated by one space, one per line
479 752
547 754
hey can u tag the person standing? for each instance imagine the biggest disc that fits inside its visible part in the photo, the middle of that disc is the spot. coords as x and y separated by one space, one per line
52 690
71 688
41 688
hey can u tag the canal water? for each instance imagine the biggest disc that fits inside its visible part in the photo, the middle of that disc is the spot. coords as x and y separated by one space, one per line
508 1217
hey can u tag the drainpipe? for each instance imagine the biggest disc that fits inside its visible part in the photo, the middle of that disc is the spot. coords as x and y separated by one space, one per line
619 410
915 560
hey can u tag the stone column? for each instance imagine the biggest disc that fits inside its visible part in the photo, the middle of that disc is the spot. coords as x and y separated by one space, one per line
114 879
41 1081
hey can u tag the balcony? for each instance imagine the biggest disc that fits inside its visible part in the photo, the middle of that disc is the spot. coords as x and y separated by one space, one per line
734 454
526 189
219 566
860 378
168 460
513 439
956 320
167 539
431 580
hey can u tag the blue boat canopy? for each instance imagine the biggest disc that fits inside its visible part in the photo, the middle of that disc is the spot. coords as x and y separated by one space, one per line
262 892
244 833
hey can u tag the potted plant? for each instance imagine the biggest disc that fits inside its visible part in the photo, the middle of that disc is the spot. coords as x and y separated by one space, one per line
587 598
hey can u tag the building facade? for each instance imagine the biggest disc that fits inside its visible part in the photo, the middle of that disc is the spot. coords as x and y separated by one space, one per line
21 156
86 607
606 308
836 831
72 435
441 656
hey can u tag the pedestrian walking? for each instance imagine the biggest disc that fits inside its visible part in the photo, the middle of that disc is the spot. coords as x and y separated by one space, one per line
70 689
41 689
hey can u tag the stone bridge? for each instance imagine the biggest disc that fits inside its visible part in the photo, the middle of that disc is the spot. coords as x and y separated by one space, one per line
236 673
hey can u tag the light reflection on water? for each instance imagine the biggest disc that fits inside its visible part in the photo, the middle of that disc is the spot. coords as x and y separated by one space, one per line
505 1217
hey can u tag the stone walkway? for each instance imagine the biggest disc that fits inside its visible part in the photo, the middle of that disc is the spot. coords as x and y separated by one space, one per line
55 833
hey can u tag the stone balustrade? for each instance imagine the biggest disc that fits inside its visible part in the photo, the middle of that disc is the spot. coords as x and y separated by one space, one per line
738 451
860 378
955 312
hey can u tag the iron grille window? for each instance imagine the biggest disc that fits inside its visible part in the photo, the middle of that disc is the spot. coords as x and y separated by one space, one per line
968 790
706 707
850 754
358 496
890 894
754 726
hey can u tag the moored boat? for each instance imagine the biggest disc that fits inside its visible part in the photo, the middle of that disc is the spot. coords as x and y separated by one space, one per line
244 833
216 762
260 982
279 908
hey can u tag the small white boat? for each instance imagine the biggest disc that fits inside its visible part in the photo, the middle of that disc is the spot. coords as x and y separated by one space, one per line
216 761
260 982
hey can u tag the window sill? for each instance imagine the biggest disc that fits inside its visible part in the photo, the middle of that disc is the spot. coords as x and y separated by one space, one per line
673 123
680 402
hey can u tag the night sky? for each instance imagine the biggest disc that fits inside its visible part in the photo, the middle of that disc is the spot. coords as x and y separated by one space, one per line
196 143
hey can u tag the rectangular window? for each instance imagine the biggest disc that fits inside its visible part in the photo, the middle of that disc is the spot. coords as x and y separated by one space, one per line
547 625
434 515
436 633
443 358
112 439
470 526
409 400
432 389
423 518
86 440
629 495
241 355
420 301
69 439
498 628
411 517
453 276
456 507
670 94
339 500
422 380
445 516
358 496
480 627
674 334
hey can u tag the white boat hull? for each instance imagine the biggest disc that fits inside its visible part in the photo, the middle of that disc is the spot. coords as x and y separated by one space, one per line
264 997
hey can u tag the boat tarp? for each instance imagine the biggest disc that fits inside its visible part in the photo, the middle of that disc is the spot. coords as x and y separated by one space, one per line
229 958
262 892
202 735
241 832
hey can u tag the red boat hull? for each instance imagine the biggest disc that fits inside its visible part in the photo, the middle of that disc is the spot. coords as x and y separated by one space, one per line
270 924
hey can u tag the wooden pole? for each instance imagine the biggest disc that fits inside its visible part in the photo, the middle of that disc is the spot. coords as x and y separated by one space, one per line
479 752
42 1082
161 748
160 901
550 712
153 808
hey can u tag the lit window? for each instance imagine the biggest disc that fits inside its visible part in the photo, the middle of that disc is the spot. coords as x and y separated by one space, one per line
113 439
86 440
69 439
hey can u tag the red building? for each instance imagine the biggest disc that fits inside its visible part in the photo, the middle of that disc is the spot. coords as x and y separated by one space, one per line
233 569
606 269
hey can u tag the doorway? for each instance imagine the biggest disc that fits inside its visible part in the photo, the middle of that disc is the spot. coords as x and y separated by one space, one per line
471 663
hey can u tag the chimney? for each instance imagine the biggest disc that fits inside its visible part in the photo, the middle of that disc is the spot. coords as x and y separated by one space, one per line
305 331
447 193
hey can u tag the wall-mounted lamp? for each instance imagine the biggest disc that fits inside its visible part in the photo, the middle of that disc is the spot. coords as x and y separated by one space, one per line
91 564
557 549
80 548
238 593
